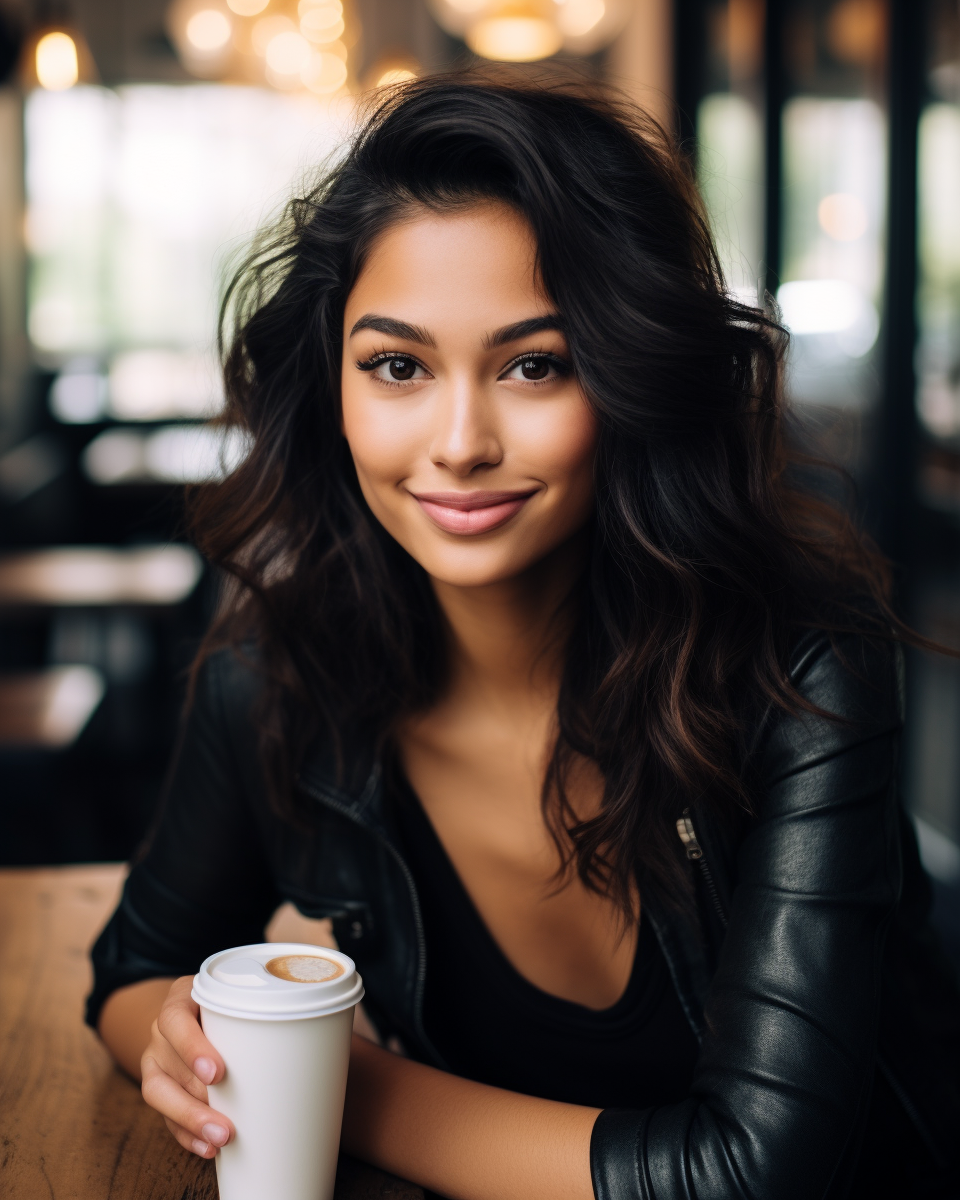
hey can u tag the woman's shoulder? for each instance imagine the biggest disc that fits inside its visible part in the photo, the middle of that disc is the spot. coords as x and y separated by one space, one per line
849 691
855 674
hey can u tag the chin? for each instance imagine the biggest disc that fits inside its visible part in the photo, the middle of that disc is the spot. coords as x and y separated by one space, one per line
474 566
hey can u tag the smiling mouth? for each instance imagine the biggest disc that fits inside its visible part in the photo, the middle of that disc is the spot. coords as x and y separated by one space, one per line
472 512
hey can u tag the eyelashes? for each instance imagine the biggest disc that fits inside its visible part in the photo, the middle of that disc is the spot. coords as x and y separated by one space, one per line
370 364
560 365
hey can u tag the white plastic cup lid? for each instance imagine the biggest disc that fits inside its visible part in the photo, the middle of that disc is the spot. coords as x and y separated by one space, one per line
277 981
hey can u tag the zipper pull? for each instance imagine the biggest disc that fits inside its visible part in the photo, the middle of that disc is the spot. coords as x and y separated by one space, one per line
688 835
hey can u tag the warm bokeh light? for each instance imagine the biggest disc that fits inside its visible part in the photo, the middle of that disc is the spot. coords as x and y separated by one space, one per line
321 12
56 62
288 53
514 38
285 35
395 75
577 17
266 29
843 216
468 6
856 30
208 30
325 73
322 23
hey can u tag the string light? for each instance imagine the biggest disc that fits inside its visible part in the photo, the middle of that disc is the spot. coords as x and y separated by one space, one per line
290 44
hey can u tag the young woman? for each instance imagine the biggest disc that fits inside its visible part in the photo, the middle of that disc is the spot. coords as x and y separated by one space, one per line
540 677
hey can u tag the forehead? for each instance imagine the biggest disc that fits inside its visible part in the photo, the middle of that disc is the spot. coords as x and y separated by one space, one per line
476 262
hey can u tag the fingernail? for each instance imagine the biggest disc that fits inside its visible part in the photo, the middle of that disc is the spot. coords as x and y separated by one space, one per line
200 1147
216 1134
205 1069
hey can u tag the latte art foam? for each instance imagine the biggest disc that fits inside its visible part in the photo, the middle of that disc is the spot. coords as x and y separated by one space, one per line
304 968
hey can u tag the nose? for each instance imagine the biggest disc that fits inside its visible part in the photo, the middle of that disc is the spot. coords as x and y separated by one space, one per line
465 434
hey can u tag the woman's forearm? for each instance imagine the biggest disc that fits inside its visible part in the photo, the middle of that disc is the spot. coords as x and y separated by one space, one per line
464 1139
126 1019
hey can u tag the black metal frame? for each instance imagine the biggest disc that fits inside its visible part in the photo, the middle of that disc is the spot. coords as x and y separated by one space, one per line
890 488
893 508
774 94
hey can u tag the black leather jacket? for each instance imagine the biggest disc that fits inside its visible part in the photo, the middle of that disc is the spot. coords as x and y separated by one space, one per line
828 1023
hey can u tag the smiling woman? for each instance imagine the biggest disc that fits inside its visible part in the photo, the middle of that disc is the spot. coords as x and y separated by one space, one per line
465 414
539 676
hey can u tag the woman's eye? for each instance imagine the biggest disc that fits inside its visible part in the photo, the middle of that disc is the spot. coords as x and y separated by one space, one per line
535 369
398 370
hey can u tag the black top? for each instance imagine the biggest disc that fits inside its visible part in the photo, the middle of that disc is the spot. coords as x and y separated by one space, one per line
492 1025
829 1023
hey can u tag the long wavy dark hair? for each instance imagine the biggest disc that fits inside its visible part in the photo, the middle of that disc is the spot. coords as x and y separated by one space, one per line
706 557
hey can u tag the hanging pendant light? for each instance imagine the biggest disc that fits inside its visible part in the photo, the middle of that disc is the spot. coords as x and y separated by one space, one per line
528 30
515 32
55 56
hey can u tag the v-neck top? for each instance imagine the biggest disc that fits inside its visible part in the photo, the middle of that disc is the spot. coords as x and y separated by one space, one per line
491 1024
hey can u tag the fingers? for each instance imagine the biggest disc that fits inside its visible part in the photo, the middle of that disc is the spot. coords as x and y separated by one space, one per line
188 1141
179 1024
177 1065
200 1127
165 1058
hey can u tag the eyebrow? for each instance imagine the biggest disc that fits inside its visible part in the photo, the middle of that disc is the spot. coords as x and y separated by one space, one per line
393 327
522 329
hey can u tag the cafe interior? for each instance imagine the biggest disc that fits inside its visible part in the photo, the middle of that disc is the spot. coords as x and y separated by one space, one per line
142 143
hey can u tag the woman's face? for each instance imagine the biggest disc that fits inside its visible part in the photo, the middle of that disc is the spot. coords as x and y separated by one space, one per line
473 443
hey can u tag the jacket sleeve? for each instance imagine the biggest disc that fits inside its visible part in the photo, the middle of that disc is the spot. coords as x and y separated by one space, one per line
779 1096
203 883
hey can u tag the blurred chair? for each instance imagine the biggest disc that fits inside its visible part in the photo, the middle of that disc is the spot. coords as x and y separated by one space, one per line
94 642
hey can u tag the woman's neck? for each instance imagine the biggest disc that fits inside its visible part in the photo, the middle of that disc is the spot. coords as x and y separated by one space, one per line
507 639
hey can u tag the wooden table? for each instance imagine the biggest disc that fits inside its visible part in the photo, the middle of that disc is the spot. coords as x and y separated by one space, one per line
72 1126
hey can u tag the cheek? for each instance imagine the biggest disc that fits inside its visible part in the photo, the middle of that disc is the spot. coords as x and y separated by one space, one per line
381 445
560 447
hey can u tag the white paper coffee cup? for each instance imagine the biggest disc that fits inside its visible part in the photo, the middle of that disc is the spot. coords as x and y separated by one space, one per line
284 1036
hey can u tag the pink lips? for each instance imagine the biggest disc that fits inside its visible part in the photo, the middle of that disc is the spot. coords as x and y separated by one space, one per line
471 512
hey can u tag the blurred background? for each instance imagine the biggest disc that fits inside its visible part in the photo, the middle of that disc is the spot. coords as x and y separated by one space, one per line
141 144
